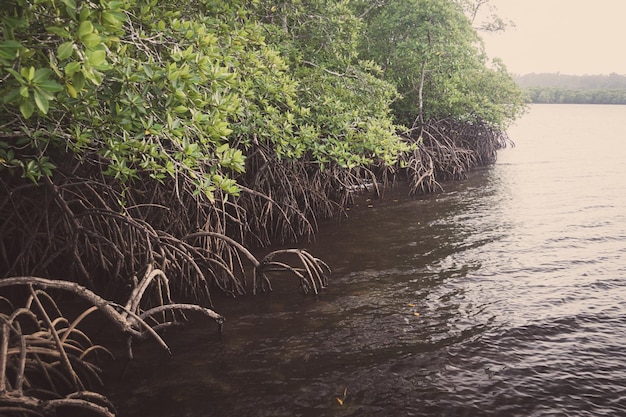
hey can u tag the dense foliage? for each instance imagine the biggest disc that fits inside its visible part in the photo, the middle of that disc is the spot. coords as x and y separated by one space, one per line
153 139
611 81
553 95
430 51
574 89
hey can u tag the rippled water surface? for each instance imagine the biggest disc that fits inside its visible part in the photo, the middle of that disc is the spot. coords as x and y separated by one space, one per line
505 295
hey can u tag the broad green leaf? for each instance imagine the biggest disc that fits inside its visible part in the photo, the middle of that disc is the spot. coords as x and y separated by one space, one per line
96 58
31 171
46 166
42 102
9 49
28 73
94 76
62 32
71 68
41 91
14 23
84 13
85 28
91 40
27 108
78 80
16 75
40 75
113 19
115 4
50 86
65 50
71 4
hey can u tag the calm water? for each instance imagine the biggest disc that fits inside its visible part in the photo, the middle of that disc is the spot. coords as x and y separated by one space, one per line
504 296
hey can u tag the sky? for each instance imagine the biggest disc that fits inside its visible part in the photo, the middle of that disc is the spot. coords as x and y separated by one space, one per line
568 36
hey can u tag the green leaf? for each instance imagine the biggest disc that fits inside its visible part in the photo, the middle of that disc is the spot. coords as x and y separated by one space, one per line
40 75
85 28
28 73
16 75
84 13
96 58
27 108
46 94
71 4
50 86
71 68
112 19
14 23
71 90
94 76
8 49
65 50
115 4
78 80
46 166
62 32
91 40
42 102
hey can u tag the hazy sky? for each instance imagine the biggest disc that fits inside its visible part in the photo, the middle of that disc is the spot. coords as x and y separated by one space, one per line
567 36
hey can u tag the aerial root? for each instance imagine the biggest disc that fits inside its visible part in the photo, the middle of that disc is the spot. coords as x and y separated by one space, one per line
312 272
447 150
46 362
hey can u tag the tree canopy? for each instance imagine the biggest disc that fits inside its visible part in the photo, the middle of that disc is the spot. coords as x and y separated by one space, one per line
574 89
429 50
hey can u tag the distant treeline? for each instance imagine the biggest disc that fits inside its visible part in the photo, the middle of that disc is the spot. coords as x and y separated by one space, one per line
562 88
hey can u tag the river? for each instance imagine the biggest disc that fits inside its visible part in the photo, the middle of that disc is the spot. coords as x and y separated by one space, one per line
505 295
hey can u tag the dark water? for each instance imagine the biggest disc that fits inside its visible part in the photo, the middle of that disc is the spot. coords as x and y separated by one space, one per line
504 296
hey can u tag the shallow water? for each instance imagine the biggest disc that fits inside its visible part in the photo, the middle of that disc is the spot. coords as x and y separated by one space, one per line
504 295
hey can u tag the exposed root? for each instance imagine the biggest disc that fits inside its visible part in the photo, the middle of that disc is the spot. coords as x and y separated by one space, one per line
448 150
45 360
313 272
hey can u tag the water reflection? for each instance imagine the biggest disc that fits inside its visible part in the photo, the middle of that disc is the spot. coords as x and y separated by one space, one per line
399 300
502 296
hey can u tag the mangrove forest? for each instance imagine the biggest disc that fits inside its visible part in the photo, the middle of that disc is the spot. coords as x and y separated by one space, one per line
573 89
148 149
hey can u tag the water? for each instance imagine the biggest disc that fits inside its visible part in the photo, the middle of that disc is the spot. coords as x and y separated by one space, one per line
503 296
